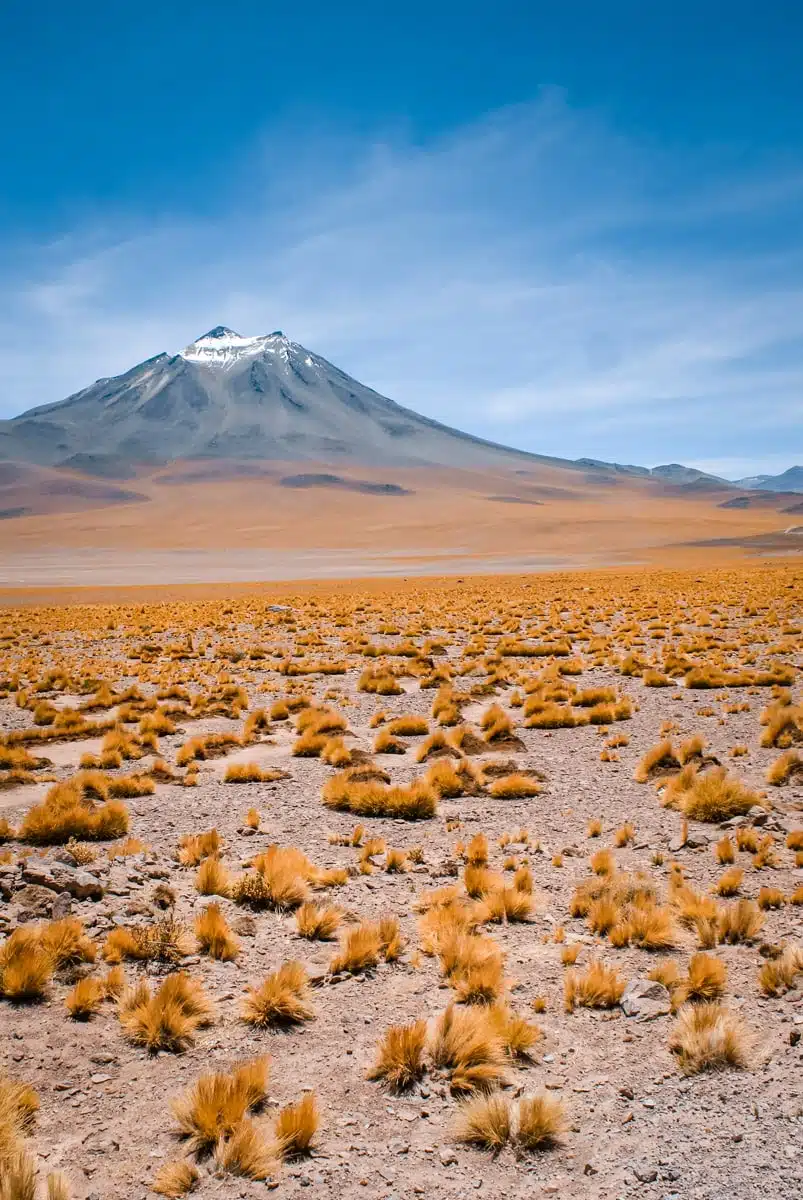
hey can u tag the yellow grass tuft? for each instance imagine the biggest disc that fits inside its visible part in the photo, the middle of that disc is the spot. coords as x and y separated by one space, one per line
283 999
167 1019
541 1121
215 938
175 1178
296 1127
485 1121
317 922
400 1059
709 1037
598 987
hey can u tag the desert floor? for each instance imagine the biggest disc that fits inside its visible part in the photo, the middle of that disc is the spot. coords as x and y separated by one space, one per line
635 1124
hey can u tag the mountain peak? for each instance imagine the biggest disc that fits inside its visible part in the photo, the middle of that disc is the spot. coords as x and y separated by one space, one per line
220 331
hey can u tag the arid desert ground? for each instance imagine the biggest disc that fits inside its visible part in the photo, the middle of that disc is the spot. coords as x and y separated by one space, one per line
420 887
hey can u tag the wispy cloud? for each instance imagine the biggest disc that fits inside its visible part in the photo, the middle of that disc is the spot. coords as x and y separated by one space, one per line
533 278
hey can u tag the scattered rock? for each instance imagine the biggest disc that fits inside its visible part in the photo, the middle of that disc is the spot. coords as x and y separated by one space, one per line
646 999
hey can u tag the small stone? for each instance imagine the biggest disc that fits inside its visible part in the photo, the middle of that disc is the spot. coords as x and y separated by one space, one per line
646 999
645 1173
447 1157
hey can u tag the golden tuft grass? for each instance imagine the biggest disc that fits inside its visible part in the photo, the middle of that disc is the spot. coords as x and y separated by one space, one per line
283 999
466 1044
216 1104
193 847
167 1019
541 1121
372 798
215 938
709 1037
597 987
739 922
400 1057
729 882
712 796
296 1127
512 787
175 1178
246 1153
213 879
85 999
317 922
69 811
26 967
485 1121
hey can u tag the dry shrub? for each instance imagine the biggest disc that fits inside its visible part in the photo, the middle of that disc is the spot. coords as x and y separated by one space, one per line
215 1105
598 987
68 811
193 847
789 766
704 981
167 1019
166 940
317 922
175 1178
466 1044
400 1059
511 787
770 898
780 975
213 879
386 743
501 905
485 1121
739 922
215 938
296 1127
26 967
709 1037
541 1121
724 850
729 882
409 726
415 801
250 773
19 1105
246 1153
283 999
712 796
85 999
280 879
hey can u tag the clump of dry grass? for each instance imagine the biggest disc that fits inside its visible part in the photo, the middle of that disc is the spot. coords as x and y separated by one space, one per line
466 1044
712 796
739 922
597 987
213 879
168 1018
780 974
283 999
215 938
513 787
729 882
247 1153
85 999
213 1108
400 1058
415 801
541 1121
193 847
166 940
69 811
250 773
175 1178
26 967
485 1121
296 1127
786 768
317 922
709 1037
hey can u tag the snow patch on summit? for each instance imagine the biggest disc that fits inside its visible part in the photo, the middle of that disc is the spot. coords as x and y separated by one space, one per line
224 348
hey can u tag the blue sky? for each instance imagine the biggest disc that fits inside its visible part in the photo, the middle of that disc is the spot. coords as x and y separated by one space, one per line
576 228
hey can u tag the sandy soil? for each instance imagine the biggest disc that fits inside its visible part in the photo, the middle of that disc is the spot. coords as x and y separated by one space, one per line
637 1125
250 528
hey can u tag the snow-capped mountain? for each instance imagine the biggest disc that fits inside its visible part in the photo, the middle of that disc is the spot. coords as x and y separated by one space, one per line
229 396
